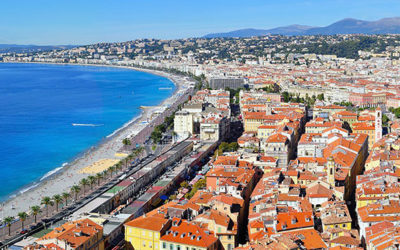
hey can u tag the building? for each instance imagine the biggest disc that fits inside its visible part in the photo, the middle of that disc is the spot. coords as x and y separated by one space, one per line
214 128
184 235
183 124
80 234
145 232
222 83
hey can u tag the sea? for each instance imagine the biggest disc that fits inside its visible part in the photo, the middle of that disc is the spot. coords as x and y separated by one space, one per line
50 114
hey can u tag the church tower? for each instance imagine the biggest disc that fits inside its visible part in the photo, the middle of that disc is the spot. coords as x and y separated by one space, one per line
331 171
378 124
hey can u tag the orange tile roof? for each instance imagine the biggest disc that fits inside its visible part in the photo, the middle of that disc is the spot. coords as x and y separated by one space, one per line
75 233
184 232
153 223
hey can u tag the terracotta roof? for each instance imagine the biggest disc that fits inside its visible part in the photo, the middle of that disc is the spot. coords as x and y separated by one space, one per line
152 223
184 232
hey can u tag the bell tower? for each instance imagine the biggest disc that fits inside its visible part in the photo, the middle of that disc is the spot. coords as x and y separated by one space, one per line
331 171
378 124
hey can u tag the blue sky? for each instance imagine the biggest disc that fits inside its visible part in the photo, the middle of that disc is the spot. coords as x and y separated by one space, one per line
92 21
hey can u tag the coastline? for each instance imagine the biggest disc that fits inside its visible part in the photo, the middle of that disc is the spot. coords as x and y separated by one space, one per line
60 179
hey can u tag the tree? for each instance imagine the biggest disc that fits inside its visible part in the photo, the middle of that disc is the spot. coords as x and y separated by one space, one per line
75 189
172 197
22 216
57 199
46 201
98 176
35 211
8 220
200 184
111 169
91 179
65 196
385 119
184 184
84 182
126 142
127 160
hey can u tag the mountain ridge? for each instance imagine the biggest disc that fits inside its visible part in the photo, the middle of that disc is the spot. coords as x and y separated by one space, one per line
389 25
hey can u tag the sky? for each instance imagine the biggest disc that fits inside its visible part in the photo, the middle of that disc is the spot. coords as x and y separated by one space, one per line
79 22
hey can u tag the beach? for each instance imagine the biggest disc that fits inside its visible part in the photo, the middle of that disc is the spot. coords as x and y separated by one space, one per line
108 151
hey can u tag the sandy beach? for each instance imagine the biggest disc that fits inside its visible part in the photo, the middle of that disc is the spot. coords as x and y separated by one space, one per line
109 148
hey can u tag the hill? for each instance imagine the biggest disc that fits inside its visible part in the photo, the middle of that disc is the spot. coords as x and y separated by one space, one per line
345 26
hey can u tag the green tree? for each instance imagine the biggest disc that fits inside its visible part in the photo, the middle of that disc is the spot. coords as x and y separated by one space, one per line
84 182
98 176
65 196
385 120
57 199
46 201
75 189
8 220
22 217
35 211
184 184
126 142
91 179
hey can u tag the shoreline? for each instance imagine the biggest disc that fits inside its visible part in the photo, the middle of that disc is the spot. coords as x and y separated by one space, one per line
68 174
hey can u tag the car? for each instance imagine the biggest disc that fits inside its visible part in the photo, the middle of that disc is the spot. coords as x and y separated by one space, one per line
23 231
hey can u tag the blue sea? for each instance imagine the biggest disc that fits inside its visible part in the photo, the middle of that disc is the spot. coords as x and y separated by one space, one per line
40 102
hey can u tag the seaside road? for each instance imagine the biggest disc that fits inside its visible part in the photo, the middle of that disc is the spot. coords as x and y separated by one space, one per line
72 207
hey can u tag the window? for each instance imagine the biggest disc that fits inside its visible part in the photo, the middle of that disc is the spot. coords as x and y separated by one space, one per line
164 245
178 247
144 243
230 236
143 233
344 225
150 244
171 246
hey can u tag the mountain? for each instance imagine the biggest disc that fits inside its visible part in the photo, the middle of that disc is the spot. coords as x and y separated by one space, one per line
345 26
285 30
17 48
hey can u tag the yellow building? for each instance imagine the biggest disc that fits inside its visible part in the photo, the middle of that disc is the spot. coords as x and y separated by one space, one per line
184 235
367 129
335 214
265 131
145 232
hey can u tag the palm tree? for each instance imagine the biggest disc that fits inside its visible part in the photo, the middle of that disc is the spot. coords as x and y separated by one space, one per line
118 166
57 199
111 169
84 182
35 211
46 201
98 176
105 173
91 179
8 221
65 196
22 216
126 160
126 142
75 189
